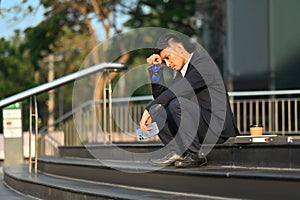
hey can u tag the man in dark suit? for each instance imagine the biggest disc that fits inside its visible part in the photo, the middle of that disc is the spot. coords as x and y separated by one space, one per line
193 109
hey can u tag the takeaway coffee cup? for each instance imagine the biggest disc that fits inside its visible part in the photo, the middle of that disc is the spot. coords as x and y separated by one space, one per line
256 129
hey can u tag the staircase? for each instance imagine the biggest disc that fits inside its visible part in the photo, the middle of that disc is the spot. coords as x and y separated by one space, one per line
235 171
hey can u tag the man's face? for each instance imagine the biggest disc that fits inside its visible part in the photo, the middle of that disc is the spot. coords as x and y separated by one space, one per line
172 59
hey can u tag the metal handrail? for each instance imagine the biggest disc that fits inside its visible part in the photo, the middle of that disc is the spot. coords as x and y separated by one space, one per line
49 86
231 94
150 97
59 82
263 93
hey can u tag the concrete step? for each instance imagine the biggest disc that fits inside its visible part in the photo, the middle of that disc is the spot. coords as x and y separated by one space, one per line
81 178
212 180
278 155
49 186
242 171
10 194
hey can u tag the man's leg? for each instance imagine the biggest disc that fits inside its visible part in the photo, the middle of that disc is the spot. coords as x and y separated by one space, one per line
186 114
190 118
164 117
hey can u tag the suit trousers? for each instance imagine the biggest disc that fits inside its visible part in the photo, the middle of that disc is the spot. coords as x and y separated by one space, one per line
181 125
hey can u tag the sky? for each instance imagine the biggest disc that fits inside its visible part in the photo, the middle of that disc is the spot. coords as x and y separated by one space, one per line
8 26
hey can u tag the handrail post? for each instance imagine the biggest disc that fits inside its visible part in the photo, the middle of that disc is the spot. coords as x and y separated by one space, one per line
30 134
104 108
107 88
31 115
109 106
36 135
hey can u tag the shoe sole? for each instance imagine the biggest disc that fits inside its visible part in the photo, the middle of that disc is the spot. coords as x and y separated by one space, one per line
162 165
170 164
191 166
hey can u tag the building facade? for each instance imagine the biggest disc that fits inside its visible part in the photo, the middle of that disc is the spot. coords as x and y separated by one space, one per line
262 50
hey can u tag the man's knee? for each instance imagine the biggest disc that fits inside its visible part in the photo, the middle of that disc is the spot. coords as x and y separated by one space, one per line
183 104
174 106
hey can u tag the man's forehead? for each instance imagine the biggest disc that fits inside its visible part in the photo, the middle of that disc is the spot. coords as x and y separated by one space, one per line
165 52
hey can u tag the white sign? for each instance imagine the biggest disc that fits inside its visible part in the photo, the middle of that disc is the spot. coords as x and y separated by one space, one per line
12 121
12 133
12 113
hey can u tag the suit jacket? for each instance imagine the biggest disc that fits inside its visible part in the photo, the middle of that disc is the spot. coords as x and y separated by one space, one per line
202 82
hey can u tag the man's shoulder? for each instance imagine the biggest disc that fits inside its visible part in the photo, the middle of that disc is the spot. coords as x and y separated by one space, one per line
199 56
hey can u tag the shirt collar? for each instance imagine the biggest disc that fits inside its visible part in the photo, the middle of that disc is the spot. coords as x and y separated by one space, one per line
185 67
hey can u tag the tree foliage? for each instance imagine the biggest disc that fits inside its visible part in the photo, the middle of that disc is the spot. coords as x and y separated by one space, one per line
16 71
201 19
15 68
168 14
68 30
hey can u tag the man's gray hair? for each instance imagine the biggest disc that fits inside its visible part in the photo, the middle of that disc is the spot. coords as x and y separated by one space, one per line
163 42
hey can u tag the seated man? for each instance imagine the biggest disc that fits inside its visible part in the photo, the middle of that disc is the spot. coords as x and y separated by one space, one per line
193 109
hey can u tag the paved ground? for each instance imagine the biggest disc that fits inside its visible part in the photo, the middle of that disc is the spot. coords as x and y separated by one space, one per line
9 194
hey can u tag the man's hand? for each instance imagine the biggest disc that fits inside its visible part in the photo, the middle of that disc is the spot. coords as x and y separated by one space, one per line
145 120
154 59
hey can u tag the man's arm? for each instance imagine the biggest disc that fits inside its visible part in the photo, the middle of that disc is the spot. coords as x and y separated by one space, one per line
157 88
191 84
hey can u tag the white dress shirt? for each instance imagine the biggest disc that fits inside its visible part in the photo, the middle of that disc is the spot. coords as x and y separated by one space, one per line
185 67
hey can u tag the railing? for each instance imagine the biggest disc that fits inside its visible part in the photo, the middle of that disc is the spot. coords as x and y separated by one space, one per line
277 111
32 93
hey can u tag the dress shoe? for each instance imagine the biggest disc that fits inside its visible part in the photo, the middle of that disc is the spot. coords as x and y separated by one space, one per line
191 160
167 160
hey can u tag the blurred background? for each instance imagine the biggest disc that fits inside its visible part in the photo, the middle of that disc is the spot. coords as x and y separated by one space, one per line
255 43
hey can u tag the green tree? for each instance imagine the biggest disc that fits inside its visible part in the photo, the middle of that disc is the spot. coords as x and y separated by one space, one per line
174 15
201 19
66 41
16 71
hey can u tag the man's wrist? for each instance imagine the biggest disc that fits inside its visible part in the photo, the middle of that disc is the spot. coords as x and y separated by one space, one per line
153 107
